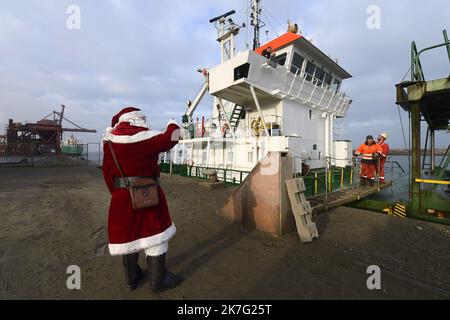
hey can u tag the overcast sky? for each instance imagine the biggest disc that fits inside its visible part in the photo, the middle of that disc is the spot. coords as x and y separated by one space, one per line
145 53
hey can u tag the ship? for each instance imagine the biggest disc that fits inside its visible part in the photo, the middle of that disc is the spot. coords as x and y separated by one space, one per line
282 96
71 147
287 97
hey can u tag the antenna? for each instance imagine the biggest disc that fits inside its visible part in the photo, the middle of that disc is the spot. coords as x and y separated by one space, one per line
226 30
255 23
222 16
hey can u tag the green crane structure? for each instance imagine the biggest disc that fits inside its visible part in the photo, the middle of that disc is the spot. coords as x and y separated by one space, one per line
429 101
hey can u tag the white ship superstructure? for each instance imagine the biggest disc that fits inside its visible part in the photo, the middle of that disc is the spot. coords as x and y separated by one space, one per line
282 96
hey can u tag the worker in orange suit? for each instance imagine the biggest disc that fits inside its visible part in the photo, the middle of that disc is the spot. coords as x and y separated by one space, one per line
370 153
385 152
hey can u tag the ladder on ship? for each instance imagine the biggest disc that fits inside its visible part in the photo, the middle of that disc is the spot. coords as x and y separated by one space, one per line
236 116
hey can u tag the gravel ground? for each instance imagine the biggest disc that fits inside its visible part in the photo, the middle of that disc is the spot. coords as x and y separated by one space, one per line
51 218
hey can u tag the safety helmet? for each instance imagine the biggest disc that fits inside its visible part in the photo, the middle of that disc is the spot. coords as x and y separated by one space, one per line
384 135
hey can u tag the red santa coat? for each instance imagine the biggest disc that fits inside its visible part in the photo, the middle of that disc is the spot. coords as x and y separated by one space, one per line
137 150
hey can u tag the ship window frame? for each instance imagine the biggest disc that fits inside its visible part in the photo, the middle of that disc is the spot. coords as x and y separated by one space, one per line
336 84
318 80
242 71
310 76
328 74
294 67
282 56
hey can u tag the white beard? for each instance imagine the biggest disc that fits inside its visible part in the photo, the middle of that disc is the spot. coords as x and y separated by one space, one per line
139 122
135 118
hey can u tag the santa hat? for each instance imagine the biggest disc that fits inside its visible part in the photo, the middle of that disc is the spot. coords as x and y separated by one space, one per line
124 114
136 118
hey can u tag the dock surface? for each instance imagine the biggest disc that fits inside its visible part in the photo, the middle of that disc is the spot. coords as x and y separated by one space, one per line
51 218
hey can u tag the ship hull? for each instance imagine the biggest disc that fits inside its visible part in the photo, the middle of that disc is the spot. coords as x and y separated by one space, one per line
72 150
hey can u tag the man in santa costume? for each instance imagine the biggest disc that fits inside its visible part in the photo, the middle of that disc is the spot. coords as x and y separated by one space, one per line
129 231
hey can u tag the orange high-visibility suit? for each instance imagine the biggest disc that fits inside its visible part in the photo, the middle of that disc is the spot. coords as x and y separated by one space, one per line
384 154
368 163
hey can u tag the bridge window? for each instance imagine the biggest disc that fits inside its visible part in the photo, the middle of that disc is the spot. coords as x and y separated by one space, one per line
328 79
297 63
281 59
336 84
310 68
319 76
241 71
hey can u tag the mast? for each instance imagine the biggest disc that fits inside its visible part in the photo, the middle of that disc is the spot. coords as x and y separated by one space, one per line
226 30
255 23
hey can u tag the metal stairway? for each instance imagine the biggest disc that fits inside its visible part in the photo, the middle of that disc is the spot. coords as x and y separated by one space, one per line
236 116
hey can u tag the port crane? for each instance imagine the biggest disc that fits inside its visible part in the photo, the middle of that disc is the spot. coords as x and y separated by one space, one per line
44 135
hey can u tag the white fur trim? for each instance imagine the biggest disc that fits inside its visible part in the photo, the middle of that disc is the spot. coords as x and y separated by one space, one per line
135 118
140 136
157 250
130 116
172 121
140 244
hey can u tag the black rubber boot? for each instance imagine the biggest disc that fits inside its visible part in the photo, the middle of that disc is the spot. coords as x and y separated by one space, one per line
133 273
371 182
160 278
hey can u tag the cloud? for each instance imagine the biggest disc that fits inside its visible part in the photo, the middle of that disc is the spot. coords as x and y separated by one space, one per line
372 123
120 4
9 25
145 53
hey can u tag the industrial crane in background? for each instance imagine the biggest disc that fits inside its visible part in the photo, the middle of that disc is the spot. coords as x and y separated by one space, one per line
43 136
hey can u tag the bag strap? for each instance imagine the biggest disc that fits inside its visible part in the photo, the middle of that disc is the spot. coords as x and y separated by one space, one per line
127 182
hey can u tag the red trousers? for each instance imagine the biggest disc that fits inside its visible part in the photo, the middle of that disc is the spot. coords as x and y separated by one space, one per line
368 170
381 173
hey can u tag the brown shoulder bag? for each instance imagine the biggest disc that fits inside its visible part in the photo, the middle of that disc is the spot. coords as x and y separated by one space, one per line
143 190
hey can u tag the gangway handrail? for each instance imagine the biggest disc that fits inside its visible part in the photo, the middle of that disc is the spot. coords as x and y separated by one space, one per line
397 163
441 163
431 181
416 65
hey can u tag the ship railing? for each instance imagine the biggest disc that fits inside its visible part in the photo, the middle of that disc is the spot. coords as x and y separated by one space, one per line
224 174
298 86
394 165
272 120
330 178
